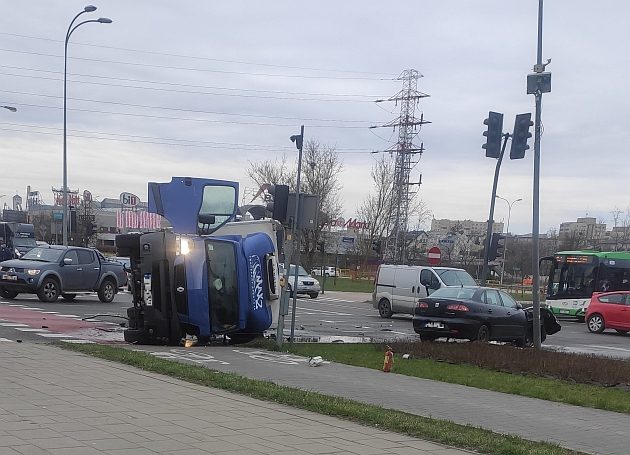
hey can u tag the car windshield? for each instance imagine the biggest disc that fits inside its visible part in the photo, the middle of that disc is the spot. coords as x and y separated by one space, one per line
43 255
301 271
453 293
456 277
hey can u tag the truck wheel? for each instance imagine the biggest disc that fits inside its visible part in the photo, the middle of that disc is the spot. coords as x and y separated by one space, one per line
49 290
107 291
68 297
5 293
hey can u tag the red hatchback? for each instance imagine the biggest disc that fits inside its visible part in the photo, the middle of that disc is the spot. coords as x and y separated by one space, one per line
609 310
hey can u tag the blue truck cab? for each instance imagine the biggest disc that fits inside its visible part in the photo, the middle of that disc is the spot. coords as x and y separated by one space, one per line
16 239
209 275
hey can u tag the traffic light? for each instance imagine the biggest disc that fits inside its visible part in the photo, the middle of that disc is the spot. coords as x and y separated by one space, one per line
493 135
497 246
279 202
520 136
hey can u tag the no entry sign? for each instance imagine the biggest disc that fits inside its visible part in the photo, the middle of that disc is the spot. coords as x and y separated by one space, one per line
435 255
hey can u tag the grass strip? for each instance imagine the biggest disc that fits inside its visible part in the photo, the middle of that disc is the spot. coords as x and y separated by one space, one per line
440 431
371 356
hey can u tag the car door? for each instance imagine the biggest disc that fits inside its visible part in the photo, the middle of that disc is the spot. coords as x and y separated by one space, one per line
624 322
515 317
496 314
89 268
69 271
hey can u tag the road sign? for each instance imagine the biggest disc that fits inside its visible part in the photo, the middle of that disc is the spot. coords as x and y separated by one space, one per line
435 255
87 218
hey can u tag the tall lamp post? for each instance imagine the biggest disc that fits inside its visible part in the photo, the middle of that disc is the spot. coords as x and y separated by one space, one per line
12 109
507 229
71 28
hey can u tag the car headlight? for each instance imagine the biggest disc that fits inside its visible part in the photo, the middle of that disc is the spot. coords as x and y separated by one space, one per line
184 245
32 272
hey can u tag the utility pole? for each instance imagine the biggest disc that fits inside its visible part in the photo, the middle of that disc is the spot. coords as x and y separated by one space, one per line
295 231
537 84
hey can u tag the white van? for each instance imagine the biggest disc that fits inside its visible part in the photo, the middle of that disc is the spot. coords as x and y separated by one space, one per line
397 288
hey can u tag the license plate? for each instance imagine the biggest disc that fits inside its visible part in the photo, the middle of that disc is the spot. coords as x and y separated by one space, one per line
9 277
564 311
434 325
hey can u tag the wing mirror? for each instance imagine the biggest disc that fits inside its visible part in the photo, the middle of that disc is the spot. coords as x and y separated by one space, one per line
519 306
67 261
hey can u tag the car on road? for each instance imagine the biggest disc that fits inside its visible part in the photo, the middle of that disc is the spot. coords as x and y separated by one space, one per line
57 270
478 314
306 283
325 271
609 310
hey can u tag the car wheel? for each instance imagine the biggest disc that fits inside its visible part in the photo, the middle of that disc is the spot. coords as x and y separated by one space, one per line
107 291
68 297
49 290
427 337
483 334
623 332
5 293
385 309
313 295
595 323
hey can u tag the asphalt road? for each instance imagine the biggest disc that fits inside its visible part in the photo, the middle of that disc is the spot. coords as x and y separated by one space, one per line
344 316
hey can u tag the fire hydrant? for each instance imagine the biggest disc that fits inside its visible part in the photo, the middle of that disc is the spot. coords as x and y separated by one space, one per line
388 362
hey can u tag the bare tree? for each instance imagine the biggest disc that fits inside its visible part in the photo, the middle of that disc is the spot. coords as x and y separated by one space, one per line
274 172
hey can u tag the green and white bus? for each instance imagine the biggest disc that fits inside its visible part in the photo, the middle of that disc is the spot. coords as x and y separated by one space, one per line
575 275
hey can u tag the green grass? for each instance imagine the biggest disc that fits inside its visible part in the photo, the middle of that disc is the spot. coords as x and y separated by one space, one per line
440 431
371 356
347 284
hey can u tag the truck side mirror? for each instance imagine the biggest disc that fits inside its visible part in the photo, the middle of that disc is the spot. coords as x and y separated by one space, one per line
207 219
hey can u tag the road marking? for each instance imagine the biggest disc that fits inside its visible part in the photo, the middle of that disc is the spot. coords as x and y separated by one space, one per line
318 311
35 308
53 335
183 354
30 329
286 359
607 347
69 316
6 340
78 341
12 324
51 312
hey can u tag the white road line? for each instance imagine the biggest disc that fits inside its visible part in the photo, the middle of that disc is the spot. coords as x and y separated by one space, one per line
607 347
35 308
6 340
15 304
51 312
12 324
69 316
78 341
30 329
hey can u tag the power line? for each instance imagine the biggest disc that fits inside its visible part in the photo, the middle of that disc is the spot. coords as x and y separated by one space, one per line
196 111
129 114
197 57
162 141
204 70
146 81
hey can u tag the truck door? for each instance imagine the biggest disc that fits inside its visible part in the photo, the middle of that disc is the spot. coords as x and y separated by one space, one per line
90 268
405 291
223 286
71 271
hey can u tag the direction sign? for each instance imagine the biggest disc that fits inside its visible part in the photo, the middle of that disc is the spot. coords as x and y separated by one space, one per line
435 255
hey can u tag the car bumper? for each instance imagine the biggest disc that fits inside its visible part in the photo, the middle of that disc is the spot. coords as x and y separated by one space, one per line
20 284
446 327
568 312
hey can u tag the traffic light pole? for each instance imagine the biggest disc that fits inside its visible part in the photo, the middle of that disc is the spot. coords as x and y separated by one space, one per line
484 272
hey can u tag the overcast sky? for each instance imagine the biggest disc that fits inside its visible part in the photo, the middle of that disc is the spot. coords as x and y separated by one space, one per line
203 88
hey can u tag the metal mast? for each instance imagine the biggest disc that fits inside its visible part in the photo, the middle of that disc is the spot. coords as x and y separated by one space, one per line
407 156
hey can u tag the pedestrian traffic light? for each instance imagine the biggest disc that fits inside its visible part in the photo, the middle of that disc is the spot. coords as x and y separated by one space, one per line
279 202
493 134
520 136
497 246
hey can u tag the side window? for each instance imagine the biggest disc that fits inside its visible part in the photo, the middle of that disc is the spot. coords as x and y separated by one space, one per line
492 298
507 299
618 299
218 203
85 257
72 254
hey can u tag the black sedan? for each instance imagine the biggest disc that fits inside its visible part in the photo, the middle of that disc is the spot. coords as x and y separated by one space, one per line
482 314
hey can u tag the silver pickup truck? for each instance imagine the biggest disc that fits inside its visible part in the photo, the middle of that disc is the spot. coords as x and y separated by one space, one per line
52 271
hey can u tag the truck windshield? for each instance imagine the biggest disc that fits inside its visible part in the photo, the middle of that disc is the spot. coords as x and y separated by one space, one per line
43 255
24 241
222 286
456 277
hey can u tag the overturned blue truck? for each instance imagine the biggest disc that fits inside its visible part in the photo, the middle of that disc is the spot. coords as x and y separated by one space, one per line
207 276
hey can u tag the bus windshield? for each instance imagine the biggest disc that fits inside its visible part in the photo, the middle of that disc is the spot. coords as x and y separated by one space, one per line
578 276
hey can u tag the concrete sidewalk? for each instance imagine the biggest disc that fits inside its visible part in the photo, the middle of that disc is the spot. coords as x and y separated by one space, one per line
63 403
583 429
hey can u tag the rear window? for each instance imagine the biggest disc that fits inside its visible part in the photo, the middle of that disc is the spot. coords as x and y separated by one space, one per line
453 293
456 277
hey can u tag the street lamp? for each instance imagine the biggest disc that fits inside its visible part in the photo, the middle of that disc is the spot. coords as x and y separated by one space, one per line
507 229
102 20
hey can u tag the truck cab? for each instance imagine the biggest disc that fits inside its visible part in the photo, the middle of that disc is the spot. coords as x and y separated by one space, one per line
209 275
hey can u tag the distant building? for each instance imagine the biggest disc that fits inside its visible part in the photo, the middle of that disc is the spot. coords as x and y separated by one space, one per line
585 232
444 227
